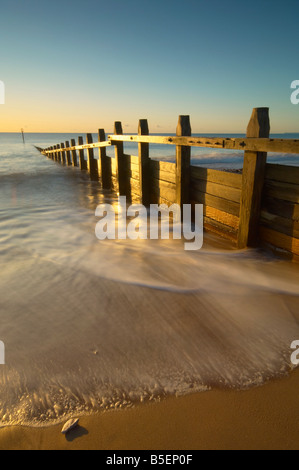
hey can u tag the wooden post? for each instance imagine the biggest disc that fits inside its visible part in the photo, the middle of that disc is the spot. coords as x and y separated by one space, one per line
91 161
121 173
58 153
144 164
82 161
74 153
183 159
68 153
54 154
253 180
62 153
104 163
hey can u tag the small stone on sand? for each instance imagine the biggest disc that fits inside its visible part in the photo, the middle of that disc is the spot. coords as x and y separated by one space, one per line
71 424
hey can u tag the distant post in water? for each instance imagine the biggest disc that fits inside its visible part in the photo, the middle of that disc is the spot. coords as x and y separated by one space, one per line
120 161
144 164
104 163
91 161
183 161
62 153
82 161
253 180
74 153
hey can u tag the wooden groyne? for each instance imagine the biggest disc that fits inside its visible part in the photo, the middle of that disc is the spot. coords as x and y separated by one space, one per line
259 206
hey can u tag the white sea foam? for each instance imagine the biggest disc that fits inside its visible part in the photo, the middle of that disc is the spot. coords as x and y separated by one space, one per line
91 325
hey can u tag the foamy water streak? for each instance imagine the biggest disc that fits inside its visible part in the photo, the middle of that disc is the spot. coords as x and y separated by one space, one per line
92 325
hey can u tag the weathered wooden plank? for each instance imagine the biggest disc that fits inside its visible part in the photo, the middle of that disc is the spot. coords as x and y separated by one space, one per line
282 191
280 224
114 167
250 144
104 163
135 198
133 174
121 162
62 153
170 177
183 161
219 203
135 187
281 208
68 153
157 199
282 173
144 164
157 165
92 163
222 217
220 229
253 177
214 189
54 153
133 167
57 153
114 183
164 190
74 153
234 180
131 159
279 240
82 161
93 145
165 184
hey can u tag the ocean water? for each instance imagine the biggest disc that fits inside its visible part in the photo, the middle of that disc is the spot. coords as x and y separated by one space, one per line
92 325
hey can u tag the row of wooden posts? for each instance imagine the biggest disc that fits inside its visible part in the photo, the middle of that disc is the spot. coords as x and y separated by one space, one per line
255 146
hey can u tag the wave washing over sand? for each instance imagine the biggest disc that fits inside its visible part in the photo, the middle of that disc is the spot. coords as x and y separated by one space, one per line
91 325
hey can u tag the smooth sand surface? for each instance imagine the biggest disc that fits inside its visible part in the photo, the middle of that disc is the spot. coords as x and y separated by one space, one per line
261 418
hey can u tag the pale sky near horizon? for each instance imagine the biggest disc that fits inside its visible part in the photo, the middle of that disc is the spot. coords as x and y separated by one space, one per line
71 66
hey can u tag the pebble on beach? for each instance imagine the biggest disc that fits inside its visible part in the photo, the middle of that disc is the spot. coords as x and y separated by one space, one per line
69 425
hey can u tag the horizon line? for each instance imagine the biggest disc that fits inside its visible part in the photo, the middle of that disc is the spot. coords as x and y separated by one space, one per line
136 133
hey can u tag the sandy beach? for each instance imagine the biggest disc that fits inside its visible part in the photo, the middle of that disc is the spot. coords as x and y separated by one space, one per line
261 418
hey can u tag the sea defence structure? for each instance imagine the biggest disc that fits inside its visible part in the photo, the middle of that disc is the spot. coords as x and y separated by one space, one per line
256 207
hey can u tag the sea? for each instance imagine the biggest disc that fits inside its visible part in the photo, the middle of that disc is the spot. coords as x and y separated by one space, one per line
90 326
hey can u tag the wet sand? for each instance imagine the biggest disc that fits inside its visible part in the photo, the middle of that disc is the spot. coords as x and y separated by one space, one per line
261 418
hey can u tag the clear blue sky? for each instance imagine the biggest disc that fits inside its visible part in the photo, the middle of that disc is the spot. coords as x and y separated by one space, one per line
75 66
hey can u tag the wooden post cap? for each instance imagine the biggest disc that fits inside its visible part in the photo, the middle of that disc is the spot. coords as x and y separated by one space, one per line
259 124
184 126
